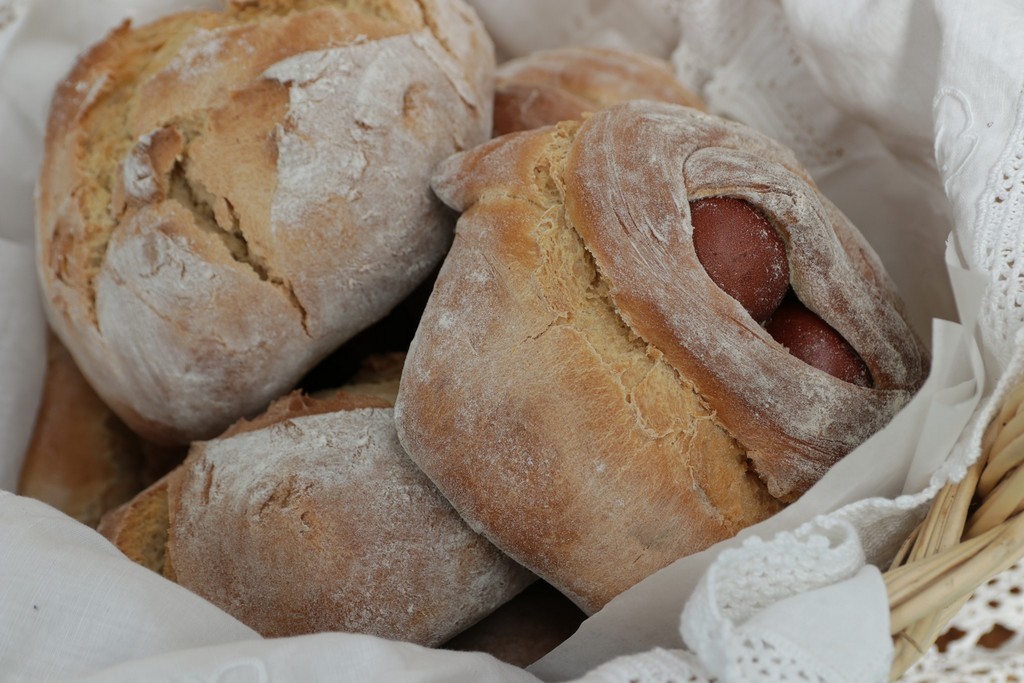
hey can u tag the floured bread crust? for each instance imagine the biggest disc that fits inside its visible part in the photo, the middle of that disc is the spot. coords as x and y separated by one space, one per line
312 518
227 197
545 87
581 390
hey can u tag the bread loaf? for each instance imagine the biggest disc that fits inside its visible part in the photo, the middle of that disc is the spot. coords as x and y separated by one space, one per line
545 87
225 197
311 518
82 459
583 391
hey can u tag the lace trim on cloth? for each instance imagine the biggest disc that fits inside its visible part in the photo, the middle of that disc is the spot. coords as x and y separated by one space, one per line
983 647
1000 234
761 661
759 573
753 615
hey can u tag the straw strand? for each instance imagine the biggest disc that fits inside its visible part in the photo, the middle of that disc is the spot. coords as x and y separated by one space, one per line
954 550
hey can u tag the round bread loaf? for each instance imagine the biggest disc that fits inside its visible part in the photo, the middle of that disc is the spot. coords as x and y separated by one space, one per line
226 197
580 388
312 518
545 87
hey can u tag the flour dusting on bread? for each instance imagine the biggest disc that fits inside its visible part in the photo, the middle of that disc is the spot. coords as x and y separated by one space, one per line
649 415
287 143
332 502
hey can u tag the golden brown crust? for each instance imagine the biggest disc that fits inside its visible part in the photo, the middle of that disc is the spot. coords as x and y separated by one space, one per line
82 459
139 527
549 86
198 253
549 393
311 518
314 519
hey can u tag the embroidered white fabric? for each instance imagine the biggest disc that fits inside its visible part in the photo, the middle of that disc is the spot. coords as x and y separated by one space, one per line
909 114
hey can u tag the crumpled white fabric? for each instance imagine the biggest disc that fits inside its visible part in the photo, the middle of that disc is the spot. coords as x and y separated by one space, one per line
71 600
782 600
908 113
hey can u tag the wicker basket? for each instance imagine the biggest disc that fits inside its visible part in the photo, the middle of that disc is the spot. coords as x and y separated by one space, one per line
972 532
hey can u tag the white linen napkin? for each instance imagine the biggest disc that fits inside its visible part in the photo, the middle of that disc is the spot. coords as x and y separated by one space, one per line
22 355
70 604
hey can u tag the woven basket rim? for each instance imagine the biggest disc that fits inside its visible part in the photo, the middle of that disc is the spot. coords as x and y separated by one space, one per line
972 531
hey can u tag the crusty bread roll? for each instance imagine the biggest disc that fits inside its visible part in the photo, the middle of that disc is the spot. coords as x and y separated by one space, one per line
312 518
82 459
583 391
225 197
545 87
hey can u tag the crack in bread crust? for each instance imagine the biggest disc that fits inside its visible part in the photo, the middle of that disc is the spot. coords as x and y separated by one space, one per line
108 122
109 115
108 112
216 215
590 311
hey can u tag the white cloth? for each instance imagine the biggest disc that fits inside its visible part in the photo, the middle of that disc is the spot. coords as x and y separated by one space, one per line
22 356
909 115
334 657
72 605
774 607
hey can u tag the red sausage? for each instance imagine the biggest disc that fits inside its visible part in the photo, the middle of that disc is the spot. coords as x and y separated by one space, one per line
741 252
816 343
